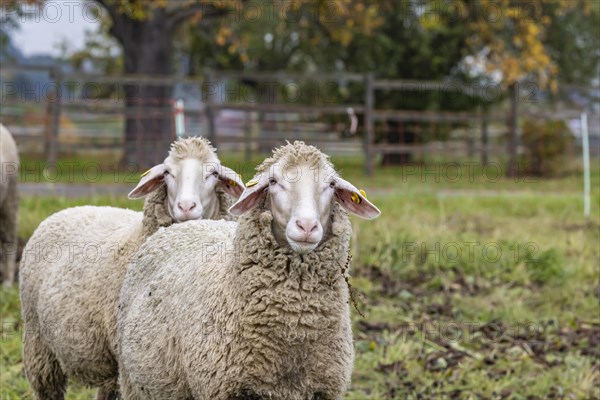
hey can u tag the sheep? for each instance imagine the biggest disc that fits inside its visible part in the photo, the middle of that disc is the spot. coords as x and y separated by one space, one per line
9 206
251 310
75 261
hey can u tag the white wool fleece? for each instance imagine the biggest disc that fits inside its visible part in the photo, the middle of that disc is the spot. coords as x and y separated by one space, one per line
208 311
77 293
9 206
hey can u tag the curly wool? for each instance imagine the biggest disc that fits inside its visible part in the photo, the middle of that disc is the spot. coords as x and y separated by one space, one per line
206 316
192 147
294 154
9 206
156 210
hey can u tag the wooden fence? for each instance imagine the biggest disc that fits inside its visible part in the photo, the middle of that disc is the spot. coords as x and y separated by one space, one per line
277 120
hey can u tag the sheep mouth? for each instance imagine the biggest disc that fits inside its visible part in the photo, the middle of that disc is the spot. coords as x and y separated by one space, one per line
300 246
184 218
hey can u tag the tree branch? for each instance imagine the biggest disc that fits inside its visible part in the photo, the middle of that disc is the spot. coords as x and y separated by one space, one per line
119 20
110 8
208 10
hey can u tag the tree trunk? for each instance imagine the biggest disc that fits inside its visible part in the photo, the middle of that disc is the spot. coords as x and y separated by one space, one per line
147 50
148 126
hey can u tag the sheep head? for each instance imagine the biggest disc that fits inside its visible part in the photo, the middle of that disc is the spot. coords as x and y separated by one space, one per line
301 185
192 174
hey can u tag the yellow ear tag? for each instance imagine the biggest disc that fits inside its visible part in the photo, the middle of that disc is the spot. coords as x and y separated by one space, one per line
252 182
355 198
145 173
363 193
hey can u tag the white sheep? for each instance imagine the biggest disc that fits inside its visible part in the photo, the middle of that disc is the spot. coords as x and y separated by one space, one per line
74 263
9 206
257 310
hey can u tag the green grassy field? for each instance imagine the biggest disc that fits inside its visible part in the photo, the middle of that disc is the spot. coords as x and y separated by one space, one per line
468 289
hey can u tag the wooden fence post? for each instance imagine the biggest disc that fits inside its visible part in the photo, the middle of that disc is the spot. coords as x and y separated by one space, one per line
54 107
369 133
209 111
484 136
247 136
511 169
470 142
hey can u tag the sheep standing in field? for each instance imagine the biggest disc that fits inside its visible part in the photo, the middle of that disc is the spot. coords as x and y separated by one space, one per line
74 264
9 206
256 310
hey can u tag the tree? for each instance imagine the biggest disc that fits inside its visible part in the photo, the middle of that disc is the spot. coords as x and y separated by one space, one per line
10 14
299 36
502 42
145 31
572 39
513 40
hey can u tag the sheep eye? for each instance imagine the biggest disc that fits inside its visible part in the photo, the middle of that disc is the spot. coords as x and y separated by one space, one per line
272 181
332 184
168 177
215 174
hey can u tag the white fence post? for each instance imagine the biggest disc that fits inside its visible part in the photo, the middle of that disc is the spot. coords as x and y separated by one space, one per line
179 118
585 142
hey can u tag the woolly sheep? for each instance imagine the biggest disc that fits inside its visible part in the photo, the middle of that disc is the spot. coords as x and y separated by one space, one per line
9 206
74 264
256 310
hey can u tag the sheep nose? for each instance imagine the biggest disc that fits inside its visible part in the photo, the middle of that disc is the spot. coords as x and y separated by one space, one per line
307 226
186 206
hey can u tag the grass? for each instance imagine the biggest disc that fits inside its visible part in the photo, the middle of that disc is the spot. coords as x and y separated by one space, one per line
478 297
439 173
464 295
33 210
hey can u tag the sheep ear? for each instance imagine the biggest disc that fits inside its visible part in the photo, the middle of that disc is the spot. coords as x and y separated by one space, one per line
354 200
255 191
151 180
231 182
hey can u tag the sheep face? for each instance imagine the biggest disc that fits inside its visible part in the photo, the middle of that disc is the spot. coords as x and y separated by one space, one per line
301 186
192 187
301 201
191 179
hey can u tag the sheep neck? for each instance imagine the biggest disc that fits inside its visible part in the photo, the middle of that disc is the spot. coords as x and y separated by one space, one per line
224 203
156 210
297 293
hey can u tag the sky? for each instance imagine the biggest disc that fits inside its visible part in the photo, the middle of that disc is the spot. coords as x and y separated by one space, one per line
60 19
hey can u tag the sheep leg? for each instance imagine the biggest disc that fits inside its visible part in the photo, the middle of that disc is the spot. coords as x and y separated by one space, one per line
321 396
8 242
43 370
126 387
246 395
104 393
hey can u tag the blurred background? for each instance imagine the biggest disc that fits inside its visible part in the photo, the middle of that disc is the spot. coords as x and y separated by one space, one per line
393 81
469 122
